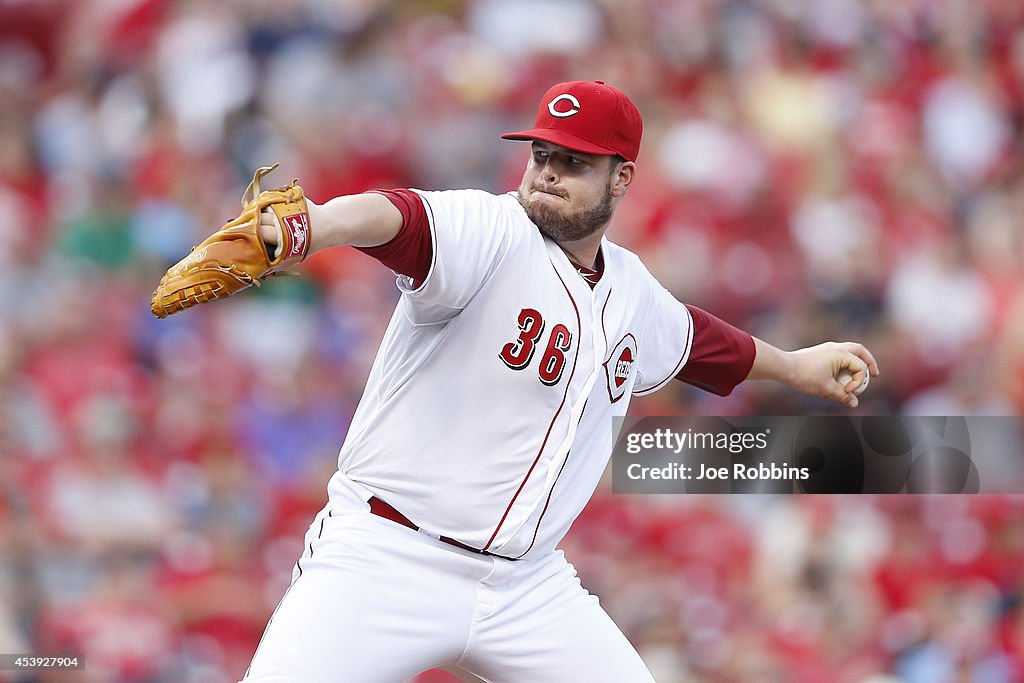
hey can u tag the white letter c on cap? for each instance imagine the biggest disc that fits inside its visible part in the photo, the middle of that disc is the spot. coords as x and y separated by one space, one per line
564 114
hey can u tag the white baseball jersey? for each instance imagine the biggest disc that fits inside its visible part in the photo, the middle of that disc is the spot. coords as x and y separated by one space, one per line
487 416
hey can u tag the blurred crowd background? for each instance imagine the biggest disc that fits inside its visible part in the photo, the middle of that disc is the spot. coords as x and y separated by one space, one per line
811 170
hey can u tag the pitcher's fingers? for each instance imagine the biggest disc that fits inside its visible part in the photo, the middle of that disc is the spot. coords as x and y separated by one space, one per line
861 352
270 227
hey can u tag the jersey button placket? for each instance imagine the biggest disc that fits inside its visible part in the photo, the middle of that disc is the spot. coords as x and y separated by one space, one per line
596 324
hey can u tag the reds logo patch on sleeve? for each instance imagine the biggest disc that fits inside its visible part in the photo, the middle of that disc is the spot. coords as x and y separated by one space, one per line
298 226
619 365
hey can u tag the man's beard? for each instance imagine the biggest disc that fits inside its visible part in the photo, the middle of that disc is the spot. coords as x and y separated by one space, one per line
569 227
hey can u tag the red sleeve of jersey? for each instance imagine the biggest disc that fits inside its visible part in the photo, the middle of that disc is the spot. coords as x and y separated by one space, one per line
721 356
410 251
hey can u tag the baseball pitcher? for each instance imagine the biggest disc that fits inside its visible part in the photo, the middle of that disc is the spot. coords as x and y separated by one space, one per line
486 421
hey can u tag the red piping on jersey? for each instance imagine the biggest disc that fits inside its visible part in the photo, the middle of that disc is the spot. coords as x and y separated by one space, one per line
568 383
604 330
543 512
547 502
679 365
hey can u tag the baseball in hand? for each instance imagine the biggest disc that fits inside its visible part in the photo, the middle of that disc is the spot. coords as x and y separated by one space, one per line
845 376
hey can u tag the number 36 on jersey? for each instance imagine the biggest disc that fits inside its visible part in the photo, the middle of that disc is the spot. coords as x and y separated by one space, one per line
519 353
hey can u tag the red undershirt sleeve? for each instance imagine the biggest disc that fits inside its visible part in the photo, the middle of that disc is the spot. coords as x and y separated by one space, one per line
721 357
411 251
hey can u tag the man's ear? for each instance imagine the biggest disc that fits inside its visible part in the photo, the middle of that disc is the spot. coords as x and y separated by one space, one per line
622 177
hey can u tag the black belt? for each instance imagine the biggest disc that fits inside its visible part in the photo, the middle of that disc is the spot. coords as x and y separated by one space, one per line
383 509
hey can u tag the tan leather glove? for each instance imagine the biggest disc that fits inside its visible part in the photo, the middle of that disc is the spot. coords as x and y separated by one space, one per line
235 257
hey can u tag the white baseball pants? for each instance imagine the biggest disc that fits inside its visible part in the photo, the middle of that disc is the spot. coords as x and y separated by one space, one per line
372 601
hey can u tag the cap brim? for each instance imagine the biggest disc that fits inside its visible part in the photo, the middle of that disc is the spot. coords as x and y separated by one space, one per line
560 138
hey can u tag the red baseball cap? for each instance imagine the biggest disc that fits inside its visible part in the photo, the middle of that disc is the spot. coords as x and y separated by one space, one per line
589 117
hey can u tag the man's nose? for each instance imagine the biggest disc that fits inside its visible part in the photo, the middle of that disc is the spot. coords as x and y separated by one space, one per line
548 172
